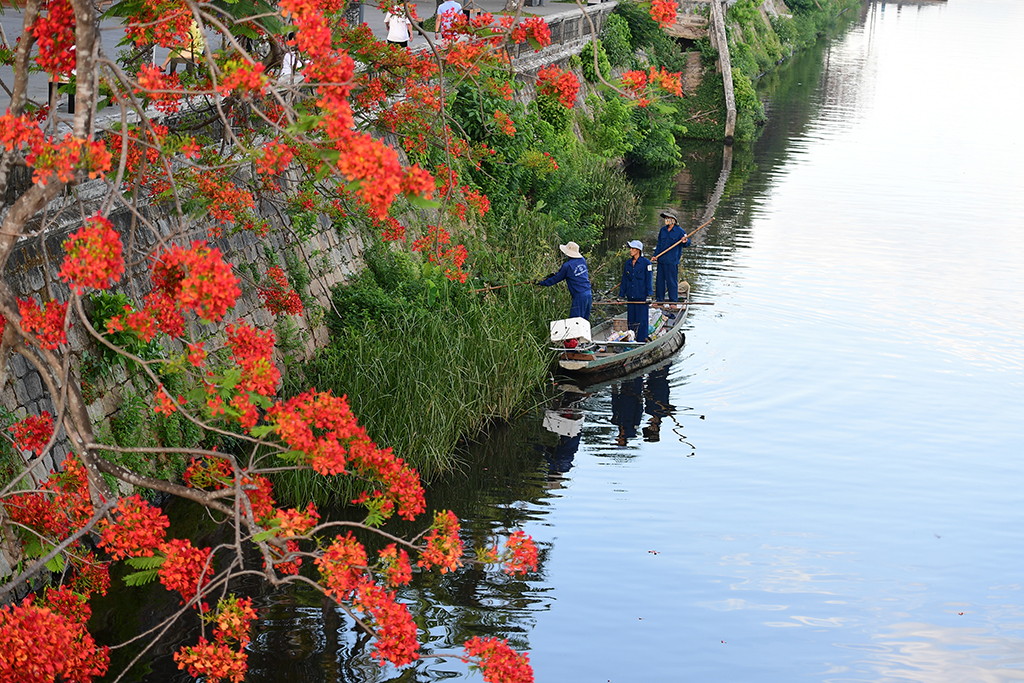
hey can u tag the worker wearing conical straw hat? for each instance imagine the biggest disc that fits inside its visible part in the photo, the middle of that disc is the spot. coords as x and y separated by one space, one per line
577 278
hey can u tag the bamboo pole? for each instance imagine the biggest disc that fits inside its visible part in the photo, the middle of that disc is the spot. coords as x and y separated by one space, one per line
490 289
655 257
653 303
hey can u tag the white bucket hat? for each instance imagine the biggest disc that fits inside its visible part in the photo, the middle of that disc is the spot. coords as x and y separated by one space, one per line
572 250
636 244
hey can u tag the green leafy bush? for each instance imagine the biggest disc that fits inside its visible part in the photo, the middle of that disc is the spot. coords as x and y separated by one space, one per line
617 41
587 58
610 133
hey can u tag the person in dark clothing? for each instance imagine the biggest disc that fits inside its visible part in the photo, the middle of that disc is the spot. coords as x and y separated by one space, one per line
668 263
637 285
628 408
657 403
574 272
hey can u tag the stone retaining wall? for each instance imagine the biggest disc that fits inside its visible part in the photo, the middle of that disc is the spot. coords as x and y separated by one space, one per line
31 268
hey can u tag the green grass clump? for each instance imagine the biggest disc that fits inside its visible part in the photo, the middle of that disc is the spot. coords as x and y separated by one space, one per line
424 362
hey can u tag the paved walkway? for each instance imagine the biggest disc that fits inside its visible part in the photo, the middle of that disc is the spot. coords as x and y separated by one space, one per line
112 33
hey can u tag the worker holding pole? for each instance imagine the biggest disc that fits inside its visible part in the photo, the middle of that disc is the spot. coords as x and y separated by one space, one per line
671 241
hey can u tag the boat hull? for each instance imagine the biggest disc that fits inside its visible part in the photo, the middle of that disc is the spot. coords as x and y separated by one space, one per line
604 368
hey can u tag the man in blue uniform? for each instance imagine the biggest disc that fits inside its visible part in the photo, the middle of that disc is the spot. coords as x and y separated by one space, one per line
574 272
636 285
668 263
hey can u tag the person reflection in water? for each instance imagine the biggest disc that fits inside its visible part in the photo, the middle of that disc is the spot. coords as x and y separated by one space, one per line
628 408
658 406
561 457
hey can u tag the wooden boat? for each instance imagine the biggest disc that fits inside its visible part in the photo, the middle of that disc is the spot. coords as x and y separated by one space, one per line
604 360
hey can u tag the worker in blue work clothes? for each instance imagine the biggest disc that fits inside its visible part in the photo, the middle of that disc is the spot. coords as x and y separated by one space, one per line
574 272
637 285
667 283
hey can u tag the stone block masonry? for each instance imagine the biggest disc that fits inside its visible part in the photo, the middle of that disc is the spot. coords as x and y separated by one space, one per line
32 271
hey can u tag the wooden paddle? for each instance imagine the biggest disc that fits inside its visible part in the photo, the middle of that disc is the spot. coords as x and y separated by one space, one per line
655 257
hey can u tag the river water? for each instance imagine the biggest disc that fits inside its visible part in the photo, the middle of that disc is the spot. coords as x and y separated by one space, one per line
835 491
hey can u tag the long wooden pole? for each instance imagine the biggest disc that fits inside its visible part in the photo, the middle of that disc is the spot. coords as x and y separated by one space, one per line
488 289
653 303
655 257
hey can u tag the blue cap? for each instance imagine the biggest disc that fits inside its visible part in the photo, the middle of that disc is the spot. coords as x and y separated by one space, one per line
636 244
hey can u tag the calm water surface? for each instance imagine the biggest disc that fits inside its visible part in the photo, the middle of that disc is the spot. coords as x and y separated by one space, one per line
835 492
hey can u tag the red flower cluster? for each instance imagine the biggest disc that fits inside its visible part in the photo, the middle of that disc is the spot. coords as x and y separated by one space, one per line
443 547
243 77
232 620
226 202
505 121
197 279
342 566
323 428
252 350
395 564
55 35
564 85
48 325
140 323
93 256
396 631
61 159
213 662
164 22
535 30
278 296
435 244
294 522
668 81
163 89
543 163
164 404
523 553
636 83
33 432
275 159
663 12
41 644
61 507
498 662
225 659
139 529
185 568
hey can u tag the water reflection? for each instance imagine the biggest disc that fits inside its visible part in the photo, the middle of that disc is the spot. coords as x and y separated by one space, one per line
658 405
627 408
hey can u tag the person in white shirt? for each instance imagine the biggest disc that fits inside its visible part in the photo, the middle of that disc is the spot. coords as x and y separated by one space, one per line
446 13
399 27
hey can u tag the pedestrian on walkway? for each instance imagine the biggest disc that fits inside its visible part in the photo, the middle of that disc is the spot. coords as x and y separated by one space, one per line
399 27
446 13
636 285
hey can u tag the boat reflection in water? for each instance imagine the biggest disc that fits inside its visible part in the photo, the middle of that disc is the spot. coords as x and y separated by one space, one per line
565 418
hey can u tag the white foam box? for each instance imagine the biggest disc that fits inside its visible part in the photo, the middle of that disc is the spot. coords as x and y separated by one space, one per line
570 328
